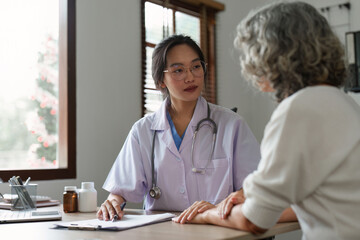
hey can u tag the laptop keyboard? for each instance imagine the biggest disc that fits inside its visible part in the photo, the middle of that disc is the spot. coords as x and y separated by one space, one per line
15 214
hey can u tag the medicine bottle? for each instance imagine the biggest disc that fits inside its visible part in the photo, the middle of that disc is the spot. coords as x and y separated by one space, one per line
87 197
70 199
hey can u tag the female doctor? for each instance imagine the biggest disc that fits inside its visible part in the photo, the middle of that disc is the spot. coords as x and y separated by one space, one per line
189 150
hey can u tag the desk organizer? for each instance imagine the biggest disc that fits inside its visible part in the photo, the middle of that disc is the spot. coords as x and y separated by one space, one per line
23 197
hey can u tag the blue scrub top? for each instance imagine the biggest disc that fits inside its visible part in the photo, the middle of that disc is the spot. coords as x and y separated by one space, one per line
176 137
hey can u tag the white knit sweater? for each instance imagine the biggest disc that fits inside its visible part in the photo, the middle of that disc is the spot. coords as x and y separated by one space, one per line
311 161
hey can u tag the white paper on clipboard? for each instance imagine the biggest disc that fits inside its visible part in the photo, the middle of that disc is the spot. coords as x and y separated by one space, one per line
128 221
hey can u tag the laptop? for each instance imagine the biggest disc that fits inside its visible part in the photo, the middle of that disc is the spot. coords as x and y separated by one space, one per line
7 216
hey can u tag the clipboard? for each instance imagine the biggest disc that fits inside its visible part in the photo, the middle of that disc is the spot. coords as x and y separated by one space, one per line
127 222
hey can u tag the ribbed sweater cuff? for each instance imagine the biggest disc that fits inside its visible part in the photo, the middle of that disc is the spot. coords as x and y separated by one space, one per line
259 215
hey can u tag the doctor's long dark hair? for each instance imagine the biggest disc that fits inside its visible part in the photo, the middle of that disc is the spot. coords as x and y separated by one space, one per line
160 53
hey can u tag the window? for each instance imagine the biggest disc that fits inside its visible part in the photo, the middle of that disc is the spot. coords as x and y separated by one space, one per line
162 18
37 84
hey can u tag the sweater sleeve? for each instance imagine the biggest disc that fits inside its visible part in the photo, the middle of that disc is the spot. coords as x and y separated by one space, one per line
267 189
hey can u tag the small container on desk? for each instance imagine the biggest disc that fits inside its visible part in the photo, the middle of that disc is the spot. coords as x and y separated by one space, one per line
87 197
70 199
23 197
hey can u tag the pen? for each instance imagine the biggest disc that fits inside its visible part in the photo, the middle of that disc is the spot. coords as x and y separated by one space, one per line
122 206
18 178
27 181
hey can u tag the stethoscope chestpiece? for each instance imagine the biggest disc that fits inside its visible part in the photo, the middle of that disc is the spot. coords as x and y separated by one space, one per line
195 170
155 192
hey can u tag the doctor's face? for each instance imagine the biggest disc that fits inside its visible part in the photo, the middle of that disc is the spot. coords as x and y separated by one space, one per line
184 74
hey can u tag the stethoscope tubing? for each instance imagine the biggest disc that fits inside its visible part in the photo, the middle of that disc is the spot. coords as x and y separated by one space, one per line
155 191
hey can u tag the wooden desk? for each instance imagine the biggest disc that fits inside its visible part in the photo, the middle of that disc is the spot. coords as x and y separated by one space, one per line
159 231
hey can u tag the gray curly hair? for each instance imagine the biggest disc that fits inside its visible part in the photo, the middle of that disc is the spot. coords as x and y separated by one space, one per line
292 45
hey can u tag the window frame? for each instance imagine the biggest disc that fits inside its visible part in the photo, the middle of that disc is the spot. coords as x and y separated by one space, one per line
204 9
67 102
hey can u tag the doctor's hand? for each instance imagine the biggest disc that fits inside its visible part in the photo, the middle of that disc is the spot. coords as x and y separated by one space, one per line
110 208
193 210
225 206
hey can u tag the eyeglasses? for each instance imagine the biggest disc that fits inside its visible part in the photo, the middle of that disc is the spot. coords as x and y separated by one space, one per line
178 72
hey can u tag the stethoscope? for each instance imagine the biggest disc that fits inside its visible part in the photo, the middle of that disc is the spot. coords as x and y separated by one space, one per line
155 191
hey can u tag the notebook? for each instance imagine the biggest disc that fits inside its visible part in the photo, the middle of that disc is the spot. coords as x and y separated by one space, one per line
7 216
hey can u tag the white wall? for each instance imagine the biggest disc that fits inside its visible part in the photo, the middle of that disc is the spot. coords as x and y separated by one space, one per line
109 89
108 86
